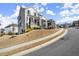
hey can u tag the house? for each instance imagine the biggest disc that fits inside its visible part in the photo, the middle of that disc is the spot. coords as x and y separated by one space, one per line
76 23
29 17
13 28
43 22
1 30
50 24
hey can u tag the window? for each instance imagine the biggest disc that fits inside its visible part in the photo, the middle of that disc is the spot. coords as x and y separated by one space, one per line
19 17
20 24
35 21
34 14
28 12
27 18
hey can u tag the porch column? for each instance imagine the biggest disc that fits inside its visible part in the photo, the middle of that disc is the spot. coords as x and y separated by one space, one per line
33 21
40 22
46 24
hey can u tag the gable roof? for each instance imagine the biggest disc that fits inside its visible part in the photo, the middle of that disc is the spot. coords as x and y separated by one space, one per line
15 25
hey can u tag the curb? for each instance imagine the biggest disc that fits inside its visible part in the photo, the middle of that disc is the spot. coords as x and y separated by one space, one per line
42 45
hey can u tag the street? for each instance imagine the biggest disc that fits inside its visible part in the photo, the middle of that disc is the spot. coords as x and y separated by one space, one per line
66 46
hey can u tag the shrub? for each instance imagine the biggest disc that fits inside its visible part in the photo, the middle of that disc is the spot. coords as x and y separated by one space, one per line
10 33
29 29
35 27
16 33
1 34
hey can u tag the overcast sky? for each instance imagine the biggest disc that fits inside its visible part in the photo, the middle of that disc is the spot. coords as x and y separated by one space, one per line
60 12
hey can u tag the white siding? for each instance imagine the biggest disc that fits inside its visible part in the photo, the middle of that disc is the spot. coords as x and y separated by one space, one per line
9 29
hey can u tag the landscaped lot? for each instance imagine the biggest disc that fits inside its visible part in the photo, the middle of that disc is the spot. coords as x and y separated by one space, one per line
7 41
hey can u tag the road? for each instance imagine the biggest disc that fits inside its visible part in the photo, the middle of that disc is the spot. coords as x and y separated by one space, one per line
66 46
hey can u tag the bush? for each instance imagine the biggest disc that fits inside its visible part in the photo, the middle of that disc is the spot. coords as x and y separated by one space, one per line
29 29
1 34
10 33
16 33
35 27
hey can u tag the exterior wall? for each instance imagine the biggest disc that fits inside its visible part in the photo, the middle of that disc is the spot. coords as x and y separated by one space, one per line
21 21
50 24
32 11
7 30
27 17
53 24
43 22
10 29
1 31
15 29
76 23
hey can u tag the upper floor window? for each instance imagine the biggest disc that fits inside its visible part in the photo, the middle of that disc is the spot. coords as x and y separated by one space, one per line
34 14
19 17
19 24
28 12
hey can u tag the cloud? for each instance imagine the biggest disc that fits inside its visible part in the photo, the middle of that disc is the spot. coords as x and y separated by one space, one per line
39 7
41 10
0 15
36 6
69 12
68 19
76 6
65 13
75 11
44 4
23 6
70 5
16 12
50 12
57 6
67 5
6 20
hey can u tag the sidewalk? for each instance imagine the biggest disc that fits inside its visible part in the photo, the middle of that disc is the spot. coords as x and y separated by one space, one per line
26 46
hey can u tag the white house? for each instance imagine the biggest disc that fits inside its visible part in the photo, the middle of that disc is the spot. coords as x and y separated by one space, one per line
1 30
29 17
13 28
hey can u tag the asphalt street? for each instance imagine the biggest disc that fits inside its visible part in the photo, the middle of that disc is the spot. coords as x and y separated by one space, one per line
66 46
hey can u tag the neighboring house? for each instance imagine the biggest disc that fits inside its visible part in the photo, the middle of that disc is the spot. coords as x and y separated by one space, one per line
1 31
43 22
13 28
76 23
50 24
29 17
